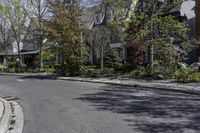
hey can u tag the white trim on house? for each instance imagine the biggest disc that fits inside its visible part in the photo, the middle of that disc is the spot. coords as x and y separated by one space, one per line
132 8
117 45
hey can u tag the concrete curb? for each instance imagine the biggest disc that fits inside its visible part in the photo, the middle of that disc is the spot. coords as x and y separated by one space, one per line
185 88
17 123
1 109
12 118
6 117
157 86
27 74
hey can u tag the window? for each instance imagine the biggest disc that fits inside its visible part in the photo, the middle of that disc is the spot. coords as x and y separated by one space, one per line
98 54
98 18
109 14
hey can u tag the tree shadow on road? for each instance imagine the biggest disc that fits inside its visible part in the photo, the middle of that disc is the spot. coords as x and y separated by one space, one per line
46 77
149 111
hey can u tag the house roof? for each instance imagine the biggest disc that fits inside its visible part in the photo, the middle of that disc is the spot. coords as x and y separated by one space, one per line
175 9
22 53
187 9
88 17
184 9
90 13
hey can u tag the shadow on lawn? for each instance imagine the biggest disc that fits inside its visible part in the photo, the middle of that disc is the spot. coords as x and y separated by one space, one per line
149 111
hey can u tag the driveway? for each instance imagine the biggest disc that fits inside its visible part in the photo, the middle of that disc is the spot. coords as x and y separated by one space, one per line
56 106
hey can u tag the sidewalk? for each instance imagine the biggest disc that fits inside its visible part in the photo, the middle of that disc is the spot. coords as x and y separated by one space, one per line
28 74
157 84
154 84
5 115
11 117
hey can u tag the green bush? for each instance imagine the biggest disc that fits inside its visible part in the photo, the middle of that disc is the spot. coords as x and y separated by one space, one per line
195 77
112 58
57 67
33 70
54 69
2 68
186 75
50 70
138 73
88 70
126 68
107 71
30 70
154 71
46 67
72 67
23 67
11 64
159 71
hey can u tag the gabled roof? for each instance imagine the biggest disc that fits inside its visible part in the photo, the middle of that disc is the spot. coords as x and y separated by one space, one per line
183 9
90 13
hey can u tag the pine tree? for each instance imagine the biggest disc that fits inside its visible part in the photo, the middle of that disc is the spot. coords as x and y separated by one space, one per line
111 58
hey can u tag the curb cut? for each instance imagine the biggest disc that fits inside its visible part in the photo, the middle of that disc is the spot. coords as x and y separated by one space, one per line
5 121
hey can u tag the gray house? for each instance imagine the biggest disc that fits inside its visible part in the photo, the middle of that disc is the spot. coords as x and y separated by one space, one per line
96 17
28 50
185 11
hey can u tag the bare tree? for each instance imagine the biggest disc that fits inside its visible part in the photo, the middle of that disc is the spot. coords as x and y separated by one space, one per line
37 10
5 40
18 22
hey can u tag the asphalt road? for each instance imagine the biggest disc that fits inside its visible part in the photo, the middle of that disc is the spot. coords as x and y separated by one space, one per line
56 106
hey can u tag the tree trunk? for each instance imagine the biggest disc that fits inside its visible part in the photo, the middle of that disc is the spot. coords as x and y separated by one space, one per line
40 55
19 61
6 59
151 55
41 60
102 57
81 48
197 11
151 45
39 17
57 55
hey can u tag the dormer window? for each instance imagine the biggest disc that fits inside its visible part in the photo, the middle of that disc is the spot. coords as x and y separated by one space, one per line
169 1
121 13
109 14
161 1
98 18
166 1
